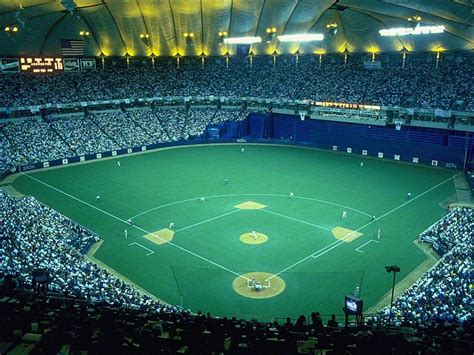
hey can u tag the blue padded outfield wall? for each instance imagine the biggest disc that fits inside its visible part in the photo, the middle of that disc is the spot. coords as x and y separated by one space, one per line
431 146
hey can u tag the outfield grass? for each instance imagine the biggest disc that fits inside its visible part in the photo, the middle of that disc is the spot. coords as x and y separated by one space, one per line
198 267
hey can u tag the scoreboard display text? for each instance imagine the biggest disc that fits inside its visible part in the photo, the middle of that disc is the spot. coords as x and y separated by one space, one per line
41 65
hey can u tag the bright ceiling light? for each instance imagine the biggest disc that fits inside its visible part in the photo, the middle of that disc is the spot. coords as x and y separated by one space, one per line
302 37
419 30
415 18
242 40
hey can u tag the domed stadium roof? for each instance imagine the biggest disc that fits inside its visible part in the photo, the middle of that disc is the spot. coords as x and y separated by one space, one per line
115 25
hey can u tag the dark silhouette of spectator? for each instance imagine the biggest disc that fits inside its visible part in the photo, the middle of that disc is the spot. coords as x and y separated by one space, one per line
332 323
300 322
317 322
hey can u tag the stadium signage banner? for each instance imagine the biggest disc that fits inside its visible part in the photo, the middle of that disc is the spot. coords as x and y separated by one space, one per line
88 64
9 65
346 105
372 65
71 64
443 113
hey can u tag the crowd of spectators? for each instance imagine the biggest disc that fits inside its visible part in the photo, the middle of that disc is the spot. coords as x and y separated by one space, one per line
33 140
173 121
121 129
34 236
420 84
230 115
149 122
445 292
80 134
200 118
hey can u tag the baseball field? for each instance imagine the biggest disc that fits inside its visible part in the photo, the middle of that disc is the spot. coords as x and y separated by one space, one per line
209 221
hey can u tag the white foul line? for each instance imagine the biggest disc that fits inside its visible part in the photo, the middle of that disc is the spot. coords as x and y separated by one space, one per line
363 245
324 250
207 220
296 219
134 226
150 251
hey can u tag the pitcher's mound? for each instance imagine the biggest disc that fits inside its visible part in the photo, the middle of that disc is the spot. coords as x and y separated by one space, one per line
249 238
160 237
347 235
270 285
250 205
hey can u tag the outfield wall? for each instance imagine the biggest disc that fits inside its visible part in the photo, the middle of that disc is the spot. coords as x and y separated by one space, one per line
430 146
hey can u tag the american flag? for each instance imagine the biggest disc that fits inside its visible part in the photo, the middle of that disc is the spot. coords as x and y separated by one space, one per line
72 47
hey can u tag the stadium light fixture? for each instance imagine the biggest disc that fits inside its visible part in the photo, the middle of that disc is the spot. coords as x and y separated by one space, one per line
415 18
9 29
332 29
145 38
189 38
301 37
242 40
222 36
270 34
406 31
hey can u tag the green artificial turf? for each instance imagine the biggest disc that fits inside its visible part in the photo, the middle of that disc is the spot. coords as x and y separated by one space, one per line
198 267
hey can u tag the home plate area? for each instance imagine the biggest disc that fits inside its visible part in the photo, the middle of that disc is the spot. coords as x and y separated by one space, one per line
258 285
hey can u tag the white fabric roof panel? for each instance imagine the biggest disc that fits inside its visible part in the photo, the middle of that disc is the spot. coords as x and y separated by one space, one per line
116 25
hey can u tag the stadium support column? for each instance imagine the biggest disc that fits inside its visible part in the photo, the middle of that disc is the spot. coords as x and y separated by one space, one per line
177 286
467 153
394 269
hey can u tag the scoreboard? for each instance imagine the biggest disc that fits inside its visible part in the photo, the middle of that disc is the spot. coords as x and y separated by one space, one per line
41 65
55 64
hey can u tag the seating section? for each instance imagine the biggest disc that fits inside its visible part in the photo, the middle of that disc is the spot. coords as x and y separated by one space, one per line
36 140
445 292
35 236
419 85
54 325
